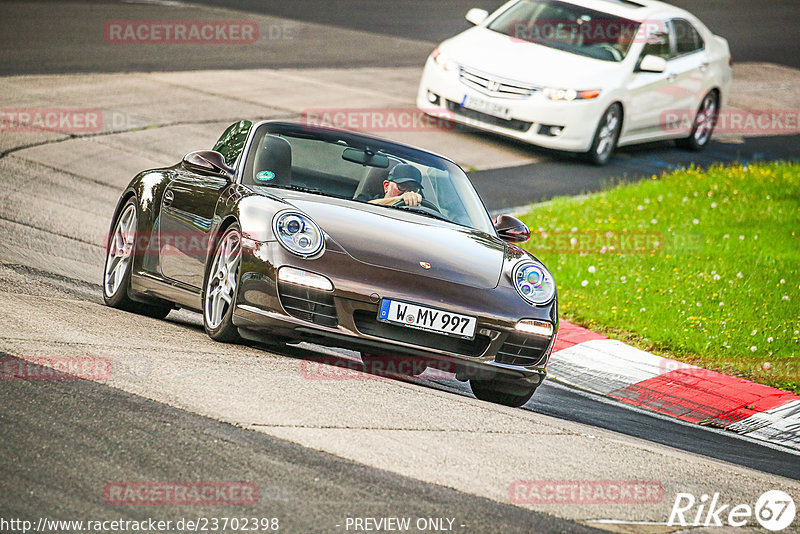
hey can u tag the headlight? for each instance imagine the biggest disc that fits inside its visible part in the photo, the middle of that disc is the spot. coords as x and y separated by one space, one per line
442 60
534 283
554 93
298 234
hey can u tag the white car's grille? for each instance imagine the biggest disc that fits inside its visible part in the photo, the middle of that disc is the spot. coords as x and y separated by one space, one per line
493 86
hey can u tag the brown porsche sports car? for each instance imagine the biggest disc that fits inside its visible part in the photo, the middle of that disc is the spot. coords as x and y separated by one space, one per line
285 233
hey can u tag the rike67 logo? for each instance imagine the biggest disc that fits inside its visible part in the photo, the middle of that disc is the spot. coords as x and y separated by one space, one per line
774 510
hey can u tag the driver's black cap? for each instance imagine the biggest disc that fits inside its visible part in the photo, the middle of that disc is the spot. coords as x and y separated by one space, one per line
404 173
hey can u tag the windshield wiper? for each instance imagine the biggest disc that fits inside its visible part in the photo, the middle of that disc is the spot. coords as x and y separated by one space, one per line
426 213
301 188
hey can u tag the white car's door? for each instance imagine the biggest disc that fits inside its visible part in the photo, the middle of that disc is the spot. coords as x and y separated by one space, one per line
689 66
652 95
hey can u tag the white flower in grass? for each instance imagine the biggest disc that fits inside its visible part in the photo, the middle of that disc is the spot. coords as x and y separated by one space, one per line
695 221
754 332
591 269
713 205
741 238
783 281
739 275
770 339
753 348
785 297
653 221
585 283
716 277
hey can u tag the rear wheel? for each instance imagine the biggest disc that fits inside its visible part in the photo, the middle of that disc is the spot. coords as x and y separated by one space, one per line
514 393
219 289
606 136
120 250
704 122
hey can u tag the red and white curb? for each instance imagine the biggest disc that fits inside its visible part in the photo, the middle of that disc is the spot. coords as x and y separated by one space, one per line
592 362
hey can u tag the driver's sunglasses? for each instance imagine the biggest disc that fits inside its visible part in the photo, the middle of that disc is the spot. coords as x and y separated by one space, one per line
408 188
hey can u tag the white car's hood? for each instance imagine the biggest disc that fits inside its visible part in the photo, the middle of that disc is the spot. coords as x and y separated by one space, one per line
518 60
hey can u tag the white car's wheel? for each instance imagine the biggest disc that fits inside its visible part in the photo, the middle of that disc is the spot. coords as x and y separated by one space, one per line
606 135
704 123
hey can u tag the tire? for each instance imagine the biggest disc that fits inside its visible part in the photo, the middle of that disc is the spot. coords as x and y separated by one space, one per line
220 287
508 393
120 250
605 136
705 120
392 365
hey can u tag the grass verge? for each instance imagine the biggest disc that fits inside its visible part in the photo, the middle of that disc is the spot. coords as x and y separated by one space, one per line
702 266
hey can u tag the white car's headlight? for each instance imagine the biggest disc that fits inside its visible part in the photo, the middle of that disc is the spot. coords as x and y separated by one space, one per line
555 93
298 233
443 61
534 283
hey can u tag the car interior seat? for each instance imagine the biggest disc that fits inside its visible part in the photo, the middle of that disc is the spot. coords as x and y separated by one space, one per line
275 155
372 183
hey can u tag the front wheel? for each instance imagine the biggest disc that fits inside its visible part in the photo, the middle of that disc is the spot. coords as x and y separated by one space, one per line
506 392
606 136
219 289
120 250
704 122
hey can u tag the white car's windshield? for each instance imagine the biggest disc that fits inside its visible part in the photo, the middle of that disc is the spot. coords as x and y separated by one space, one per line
568 27
350 166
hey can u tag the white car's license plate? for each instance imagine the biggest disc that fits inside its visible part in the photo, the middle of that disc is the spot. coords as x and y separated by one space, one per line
425 318
485 106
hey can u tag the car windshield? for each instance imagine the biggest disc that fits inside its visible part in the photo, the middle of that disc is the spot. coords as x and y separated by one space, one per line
568 27
354 167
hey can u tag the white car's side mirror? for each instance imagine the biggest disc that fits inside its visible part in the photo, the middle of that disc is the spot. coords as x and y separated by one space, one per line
476 16
651 63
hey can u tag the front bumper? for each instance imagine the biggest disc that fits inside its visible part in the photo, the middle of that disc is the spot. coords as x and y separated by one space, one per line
346 316
530 117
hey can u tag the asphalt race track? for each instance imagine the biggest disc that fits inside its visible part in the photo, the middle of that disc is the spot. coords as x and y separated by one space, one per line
179 406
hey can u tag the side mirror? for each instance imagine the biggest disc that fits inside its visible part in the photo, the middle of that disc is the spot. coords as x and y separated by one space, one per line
651 63
511 229
209 163
476 16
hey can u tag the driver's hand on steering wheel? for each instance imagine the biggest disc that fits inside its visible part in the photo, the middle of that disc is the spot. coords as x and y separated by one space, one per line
411 198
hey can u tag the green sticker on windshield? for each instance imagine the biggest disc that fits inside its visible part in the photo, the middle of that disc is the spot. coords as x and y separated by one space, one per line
265 176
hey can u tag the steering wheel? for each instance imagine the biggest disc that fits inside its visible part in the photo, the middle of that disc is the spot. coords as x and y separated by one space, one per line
615 52
425 204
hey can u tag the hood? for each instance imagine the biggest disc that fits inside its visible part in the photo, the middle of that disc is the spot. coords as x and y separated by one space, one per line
515 59
394 239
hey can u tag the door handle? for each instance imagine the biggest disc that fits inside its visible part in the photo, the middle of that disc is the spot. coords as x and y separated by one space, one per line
704 66
169 196
671 76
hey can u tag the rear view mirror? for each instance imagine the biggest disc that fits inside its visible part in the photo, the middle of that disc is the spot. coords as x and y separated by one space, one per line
476 16
651 63
366 157
511 229
208 162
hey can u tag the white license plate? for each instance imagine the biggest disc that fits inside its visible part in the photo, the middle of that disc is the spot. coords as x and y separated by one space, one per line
485 106
425 318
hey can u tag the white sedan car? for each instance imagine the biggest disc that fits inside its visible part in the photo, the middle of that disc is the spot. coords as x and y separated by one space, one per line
582 75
